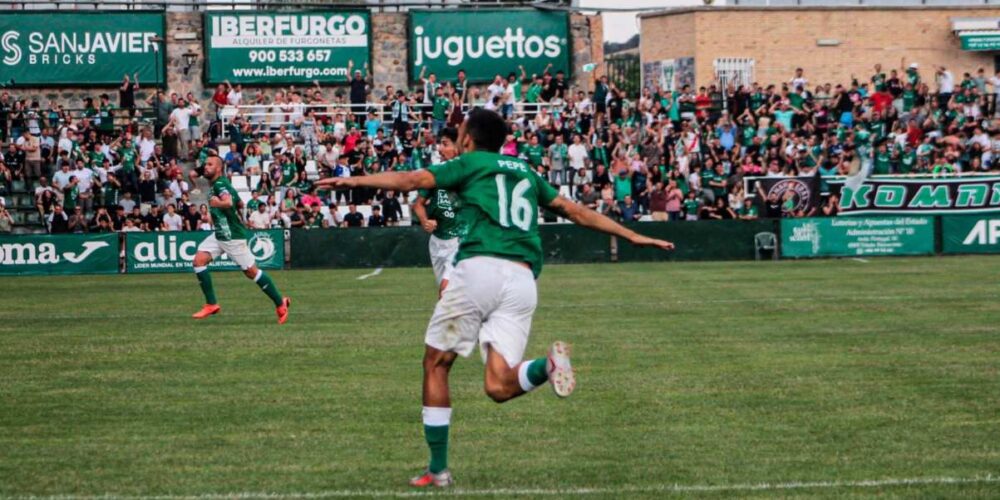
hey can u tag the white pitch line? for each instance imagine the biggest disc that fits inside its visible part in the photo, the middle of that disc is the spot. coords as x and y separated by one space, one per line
376 272
661 488
859 259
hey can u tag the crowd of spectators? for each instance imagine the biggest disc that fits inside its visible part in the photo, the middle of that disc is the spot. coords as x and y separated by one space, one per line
666 154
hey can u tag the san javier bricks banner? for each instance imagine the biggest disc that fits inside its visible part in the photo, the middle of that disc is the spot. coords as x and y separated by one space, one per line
970 234
857 236
59 254
488 42
54 48
953 195
165 252
285 47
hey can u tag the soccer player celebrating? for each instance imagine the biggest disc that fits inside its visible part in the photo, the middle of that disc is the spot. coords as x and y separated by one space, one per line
491 296
230 237
437 211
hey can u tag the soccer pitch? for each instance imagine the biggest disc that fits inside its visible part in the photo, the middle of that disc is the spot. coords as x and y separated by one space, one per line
713 379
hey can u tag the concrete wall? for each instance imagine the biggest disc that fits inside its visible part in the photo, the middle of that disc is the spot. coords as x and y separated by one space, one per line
389 58
779 40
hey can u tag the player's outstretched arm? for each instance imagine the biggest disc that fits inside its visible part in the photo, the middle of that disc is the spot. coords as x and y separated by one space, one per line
398 181
586 217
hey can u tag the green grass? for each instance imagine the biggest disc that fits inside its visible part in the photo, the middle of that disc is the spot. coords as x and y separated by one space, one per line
689 374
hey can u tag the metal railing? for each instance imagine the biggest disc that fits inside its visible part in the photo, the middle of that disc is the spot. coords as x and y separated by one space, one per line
122 118
264 120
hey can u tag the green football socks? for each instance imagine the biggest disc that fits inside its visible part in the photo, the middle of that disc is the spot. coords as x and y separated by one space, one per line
268 287
532 374
436 423
205 280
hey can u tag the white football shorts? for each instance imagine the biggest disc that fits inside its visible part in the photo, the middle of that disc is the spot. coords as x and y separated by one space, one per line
442 256
490 301
237 250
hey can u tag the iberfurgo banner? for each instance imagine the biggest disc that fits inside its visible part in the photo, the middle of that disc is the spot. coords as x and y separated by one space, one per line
167 252
285 47
56 48
485 43
59 254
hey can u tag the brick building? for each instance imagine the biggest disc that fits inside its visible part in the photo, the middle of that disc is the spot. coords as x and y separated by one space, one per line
766 44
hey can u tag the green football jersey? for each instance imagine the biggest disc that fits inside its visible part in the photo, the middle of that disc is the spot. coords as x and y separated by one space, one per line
442 206
128 155
500 196
228 225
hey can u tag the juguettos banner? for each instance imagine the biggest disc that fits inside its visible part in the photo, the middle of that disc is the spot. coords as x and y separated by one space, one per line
54 48
59 254
485 43
165 252
857 236
285 47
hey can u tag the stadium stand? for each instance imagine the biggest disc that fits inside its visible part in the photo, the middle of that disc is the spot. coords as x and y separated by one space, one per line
661 155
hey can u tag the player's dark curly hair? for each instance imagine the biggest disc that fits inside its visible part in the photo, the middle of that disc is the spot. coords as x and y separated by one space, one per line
487 129
449 132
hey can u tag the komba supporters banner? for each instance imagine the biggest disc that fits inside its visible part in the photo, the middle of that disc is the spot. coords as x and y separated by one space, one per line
947 195
285 47
56 48
485 43
59 254
165 252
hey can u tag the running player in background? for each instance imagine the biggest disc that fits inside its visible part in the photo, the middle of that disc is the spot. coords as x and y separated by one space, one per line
437 211
491 295
230 237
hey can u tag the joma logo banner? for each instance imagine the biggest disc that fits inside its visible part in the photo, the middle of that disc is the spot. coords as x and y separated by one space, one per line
59 254
926 196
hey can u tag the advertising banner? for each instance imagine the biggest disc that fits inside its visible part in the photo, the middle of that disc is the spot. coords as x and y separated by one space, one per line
857 236
98 48
59 254
285 47
166 252
970 234
956 195
485 43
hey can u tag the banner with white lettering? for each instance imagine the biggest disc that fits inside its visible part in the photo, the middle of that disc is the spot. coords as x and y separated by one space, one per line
84 48
59 254
485 43
970 234
166 252
285 47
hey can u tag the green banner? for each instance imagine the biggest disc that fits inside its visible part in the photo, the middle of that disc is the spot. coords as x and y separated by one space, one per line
488 42
980 41
59 254
970 234
166 252
94 48
285 47
857 236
